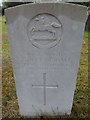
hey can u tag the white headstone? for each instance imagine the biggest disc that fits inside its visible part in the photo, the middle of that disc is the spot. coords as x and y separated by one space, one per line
45 41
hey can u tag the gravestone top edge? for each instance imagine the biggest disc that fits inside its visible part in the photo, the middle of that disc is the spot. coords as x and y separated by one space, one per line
65 9
30 4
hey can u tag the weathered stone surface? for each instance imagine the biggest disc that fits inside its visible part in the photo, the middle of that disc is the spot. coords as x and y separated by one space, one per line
45 41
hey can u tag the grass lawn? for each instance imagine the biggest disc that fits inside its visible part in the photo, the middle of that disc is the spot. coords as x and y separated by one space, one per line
9 99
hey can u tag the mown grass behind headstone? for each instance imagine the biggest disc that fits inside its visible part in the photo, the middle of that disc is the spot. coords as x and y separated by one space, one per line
10 104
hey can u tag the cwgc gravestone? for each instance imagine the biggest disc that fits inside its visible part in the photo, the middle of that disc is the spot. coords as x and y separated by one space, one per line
45 41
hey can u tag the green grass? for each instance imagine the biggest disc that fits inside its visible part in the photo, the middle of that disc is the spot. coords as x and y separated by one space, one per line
10 105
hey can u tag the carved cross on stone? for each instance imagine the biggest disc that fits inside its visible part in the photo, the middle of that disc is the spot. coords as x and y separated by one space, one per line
45 86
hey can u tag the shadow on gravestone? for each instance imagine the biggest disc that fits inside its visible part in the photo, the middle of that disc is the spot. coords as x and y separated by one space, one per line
45 41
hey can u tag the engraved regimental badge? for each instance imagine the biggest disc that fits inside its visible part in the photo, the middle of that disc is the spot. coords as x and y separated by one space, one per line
44 30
